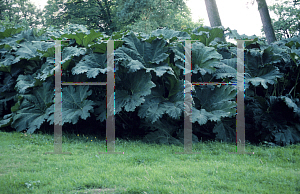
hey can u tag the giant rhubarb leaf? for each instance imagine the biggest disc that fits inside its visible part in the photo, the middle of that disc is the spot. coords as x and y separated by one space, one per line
156 104
257 72
134 91
92 65
214 102
34 109
207 34
139 54
37 108
204 59
135 86
170 35
68 54
75 104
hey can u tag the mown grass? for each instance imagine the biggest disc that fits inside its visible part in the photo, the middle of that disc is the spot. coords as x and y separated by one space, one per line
144 168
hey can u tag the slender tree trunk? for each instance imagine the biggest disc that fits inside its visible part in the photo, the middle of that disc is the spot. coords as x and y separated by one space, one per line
213 15
266 21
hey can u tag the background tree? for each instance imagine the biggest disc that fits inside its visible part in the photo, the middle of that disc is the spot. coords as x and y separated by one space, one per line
288 23
18 12
146 16
2 9
93 14
268 28
213 15
50 17
266 21
296 2
108 16
8 16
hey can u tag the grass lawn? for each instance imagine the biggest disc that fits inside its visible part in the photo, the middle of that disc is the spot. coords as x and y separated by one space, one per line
144 168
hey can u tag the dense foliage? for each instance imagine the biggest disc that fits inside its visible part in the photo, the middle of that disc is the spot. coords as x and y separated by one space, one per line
149 82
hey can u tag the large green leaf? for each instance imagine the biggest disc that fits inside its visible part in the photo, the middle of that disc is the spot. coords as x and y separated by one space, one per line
201 116
84 39
156 104
9 32
46 71
213 102
257 72
135 90
294 45
129 95
28 50
74 104
7 61
204 59
290 135
37 108
68 54
25 50
170 35
28 81
24 82
33 109
227 68
6 121
207 34
138 54
292 103
92 65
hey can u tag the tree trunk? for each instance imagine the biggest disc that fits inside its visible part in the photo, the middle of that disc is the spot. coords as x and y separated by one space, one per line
213 15
266 21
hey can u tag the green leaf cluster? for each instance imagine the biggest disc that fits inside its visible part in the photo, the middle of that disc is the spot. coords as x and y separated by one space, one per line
149 79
